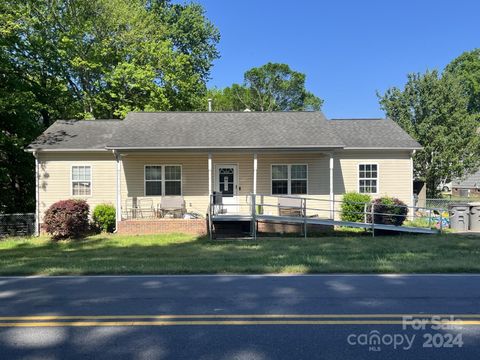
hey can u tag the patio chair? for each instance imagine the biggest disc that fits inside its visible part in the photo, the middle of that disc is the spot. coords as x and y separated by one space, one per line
172 205
145 208
131 208
290 206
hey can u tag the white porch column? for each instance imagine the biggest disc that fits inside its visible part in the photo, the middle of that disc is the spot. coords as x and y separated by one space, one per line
118 192
209 175
332 195
37 196
255 173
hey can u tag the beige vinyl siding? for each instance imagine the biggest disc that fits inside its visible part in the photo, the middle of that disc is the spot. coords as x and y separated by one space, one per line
194 177
395 176
394 167
317 185
55 177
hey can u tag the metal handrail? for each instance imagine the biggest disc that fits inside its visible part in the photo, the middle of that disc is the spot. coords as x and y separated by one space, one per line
303 207
343 201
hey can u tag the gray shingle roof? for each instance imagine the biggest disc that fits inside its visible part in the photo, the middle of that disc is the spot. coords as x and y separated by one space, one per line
76 135
225 130
469 182
209 130
372 133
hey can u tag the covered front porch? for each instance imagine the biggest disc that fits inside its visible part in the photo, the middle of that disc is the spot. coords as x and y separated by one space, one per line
179 185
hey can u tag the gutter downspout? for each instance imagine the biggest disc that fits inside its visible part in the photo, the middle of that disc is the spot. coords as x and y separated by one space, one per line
412 216
118 205
37 195
332 193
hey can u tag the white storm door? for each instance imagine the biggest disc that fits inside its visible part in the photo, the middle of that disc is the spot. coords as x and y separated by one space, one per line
226 182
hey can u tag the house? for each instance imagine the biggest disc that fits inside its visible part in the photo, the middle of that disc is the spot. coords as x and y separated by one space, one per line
468 186
137 162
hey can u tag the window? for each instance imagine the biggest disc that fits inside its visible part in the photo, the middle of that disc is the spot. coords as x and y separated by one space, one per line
279 179
173 180
289 179
368 178
153 180
163 180
81 180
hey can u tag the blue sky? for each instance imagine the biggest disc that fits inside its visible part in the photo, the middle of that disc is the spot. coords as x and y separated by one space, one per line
347 49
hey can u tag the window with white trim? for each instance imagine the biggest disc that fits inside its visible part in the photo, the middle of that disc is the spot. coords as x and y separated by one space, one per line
81 180
163 180
289 179
368 178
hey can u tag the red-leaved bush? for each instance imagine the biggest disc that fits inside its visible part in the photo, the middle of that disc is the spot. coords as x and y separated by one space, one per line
388 211
67 219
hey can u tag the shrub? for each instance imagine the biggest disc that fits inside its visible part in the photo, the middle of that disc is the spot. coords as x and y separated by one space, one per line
353 206
67 219
104 217
388 211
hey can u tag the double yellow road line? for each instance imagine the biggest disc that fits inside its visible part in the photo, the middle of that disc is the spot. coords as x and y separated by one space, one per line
234 319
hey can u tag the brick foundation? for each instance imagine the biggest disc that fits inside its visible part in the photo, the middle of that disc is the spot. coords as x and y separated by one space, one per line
163 226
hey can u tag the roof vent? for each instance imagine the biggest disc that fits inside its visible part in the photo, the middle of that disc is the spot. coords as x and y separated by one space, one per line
209 105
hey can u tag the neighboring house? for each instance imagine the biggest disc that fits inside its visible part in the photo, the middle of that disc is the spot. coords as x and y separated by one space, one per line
469 186
150 156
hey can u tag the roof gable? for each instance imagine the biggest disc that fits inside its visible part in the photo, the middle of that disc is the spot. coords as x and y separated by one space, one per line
77 135
372 134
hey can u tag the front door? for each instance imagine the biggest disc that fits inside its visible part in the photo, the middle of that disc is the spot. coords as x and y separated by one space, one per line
226 183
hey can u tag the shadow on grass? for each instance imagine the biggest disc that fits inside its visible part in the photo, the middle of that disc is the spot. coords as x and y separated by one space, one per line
182 254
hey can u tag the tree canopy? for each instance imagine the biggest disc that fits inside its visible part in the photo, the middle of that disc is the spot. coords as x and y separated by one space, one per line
466 68
434 110
271 87
93 59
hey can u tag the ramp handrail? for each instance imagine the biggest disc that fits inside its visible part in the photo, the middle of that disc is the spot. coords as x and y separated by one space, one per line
369 212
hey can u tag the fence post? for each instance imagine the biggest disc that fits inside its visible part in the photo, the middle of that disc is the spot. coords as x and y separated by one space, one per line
372 214
365 217
305 218
441 222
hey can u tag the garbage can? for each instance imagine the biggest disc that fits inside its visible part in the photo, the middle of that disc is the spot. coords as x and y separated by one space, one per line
217 198
475 216
459 216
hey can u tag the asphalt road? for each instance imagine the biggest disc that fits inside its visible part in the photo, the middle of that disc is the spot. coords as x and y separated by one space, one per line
240 317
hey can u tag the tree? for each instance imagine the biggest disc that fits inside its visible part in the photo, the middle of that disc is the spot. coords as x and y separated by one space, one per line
114 56
92 59
466 68
434 111
271 87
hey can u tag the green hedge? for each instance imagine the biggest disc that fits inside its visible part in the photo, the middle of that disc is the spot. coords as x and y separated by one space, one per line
104 217
353 206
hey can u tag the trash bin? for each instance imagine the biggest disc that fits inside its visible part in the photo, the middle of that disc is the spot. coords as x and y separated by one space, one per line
217 198
459 216
475 216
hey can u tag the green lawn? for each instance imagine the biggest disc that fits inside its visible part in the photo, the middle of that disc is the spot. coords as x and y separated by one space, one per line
183 254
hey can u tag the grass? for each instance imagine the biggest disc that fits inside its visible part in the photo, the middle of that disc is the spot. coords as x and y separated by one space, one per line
184 254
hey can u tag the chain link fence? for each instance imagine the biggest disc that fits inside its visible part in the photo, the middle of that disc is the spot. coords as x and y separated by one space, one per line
443 203
17 224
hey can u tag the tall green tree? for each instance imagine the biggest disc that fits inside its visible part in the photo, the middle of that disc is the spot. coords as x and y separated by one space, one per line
92 59
434 110
271 87
466 68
